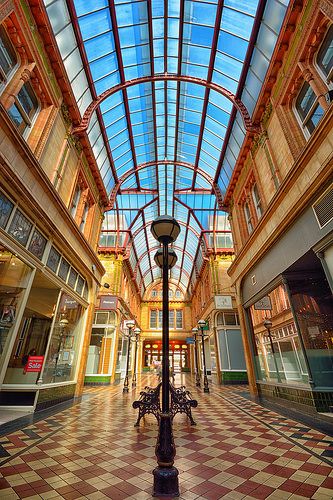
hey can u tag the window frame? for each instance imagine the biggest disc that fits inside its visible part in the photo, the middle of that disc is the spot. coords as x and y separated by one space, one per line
328 78
302 118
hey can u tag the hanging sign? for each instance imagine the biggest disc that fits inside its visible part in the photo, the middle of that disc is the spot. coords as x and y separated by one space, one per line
108 302
190 340
223 302
34 364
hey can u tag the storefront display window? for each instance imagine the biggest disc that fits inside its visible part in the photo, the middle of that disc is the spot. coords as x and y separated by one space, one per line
63 353
101 343
312 301
6 208
33 331
37 244
53 260
20 228
279 353
14 276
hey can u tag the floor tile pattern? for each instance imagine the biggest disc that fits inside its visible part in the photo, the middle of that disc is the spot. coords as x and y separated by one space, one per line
237 450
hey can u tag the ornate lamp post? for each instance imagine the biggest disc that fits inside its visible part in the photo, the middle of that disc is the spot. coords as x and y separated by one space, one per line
165 229
197 374
130 325
202 324
136 340
268 326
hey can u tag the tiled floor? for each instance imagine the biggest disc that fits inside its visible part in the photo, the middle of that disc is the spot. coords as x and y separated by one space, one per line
237 450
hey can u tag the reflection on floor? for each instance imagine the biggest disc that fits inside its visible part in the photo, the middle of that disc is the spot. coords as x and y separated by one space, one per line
237 450
10 415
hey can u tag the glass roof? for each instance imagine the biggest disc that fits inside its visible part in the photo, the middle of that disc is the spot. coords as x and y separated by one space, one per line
165 128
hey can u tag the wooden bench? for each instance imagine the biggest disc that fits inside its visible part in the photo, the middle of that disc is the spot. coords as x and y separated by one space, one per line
149 402
182 402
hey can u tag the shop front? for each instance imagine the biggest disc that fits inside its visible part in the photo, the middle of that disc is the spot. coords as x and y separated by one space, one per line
101 353
290 316
43 304
178 355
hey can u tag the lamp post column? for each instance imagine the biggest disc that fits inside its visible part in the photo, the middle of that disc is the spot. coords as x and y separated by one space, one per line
129 326
136 340
201 324
165 229
197 374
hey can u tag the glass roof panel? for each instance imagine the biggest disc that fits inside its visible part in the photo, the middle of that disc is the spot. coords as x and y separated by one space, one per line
168 116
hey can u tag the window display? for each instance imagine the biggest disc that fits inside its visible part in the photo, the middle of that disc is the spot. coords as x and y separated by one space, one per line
279 354
14 276
33 332
101 343
63 349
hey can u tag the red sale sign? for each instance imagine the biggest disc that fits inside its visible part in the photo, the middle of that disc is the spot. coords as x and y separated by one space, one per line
34 364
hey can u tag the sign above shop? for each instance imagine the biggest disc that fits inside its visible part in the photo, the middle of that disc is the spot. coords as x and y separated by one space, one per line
108 302
223 302
263 304
190 340
34 364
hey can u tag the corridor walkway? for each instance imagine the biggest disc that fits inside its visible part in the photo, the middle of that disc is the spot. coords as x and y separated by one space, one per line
237 450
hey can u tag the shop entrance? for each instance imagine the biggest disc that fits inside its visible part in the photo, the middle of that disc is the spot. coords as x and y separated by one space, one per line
178 355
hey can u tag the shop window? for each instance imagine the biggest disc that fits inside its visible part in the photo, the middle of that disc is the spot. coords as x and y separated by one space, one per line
308 108
37 244
178 294
72 278
105 318
63 269
154 293
228 319
79 285
20 228
248 217
8 59
14 275
6 208
24 108
64 346
34 330
53 260
325 55
279 353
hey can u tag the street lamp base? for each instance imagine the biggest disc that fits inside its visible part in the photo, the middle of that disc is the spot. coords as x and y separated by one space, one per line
125 389
206 389
165 482
133 384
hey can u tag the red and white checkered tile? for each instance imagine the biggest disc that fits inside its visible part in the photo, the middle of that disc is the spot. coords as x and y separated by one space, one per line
237 450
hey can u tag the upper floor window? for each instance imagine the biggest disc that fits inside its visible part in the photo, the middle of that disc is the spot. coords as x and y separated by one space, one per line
308 108
248 218
84 215
179 319
175 319
8 59
24 108
257 200
76 200
325 55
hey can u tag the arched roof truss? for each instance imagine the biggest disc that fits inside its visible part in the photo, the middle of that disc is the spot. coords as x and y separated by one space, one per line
166 93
